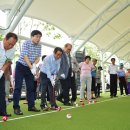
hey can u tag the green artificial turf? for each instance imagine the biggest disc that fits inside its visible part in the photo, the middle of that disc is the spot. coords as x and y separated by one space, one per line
106 114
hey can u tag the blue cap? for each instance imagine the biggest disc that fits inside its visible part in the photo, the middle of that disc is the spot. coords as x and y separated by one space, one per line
121 64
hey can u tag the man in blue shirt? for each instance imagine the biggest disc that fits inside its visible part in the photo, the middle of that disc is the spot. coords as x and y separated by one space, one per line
26 69
49 70
122 80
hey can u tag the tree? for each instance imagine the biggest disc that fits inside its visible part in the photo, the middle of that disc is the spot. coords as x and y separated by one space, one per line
1 37
28 24
92 50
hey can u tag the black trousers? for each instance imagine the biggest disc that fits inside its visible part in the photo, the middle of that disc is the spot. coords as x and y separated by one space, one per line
65 85
73 88
97 90
93 84
113 84
122 83
46 83
2 95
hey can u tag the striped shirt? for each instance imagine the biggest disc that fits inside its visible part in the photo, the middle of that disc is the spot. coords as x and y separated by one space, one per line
5 54
98 76
31 50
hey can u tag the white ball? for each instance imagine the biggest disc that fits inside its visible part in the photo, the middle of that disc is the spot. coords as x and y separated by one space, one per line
76 105
94 101
68 116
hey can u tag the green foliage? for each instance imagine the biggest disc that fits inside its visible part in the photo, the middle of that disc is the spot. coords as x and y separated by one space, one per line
30 24
57 36
92 50
1 37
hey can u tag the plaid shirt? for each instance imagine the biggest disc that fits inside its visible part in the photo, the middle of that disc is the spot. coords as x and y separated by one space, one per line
31 50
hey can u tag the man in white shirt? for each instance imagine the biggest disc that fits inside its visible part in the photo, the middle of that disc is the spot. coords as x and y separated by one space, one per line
6 55
113 69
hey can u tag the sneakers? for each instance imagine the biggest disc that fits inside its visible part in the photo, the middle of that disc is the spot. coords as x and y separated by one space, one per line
73 103
18 111
45 108
81 100
55 108
34 109
88 101
94 101
67 104
5 114
60 100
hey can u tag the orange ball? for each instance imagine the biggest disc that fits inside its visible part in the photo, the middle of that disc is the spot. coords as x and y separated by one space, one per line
82 103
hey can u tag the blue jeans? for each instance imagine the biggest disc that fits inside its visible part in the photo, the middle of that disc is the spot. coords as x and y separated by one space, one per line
23 72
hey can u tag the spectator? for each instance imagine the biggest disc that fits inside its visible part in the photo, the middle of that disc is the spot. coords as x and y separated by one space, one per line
113 69
128 79
94 62
122 80
98 82
73 87
86 78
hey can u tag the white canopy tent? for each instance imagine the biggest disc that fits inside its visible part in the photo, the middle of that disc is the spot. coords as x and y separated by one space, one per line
106 23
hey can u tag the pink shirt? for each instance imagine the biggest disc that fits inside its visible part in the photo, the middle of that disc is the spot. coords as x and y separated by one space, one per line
85 69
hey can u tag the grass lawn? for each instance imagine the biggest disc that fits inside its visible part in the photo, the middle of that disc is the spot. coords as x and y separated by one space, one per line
106 114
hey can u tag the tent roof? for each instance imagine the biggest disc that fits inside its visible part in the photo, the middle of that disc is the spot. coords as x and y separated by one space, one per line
74 16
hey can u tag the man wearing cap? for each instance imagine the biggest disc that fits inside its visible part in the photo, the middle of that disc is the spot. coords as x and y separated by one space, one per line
122 80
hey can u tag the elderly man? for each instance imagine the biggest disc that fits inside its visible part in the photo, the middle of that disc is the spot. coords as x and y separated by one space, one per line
65 74
48 75
6 55
26 69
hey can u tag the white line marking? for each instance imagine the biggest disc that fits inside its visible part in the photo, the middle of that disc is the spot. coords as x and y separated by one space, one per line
61 110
